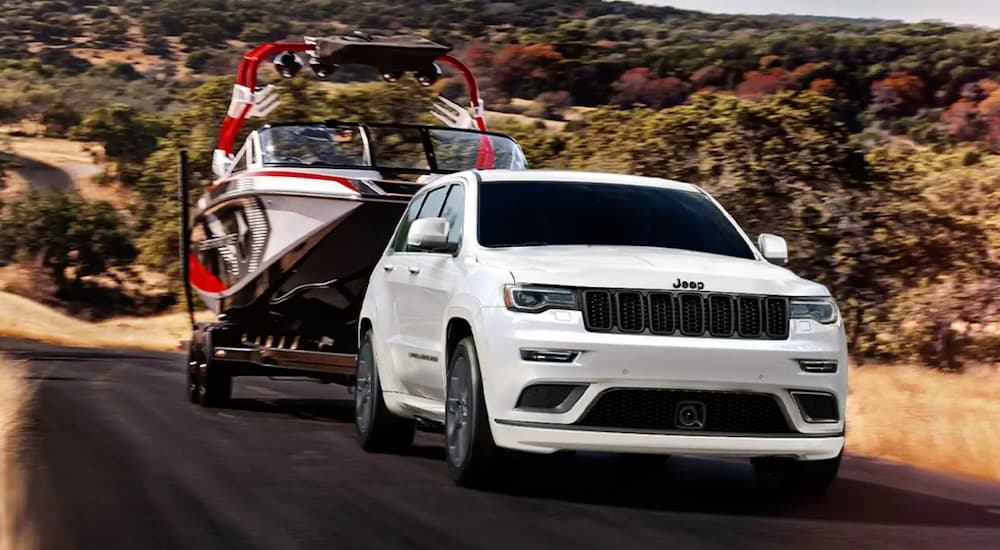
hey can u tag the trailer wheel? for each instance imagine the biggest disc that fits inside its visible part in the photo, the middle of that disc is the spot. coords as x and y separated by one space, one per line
195 357
378 429
215 384
193 381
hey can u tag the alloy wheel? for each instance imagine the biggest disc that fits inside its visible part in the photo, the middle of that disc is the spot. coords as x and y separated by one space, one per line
364 398
458 422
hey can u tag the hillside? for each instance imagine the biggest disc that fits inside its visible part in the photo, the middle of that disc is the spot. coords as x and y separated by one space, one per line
871 145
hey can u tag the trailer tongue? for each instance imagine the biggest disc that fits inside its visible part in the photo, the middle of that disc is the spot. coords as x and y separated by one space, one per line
282 244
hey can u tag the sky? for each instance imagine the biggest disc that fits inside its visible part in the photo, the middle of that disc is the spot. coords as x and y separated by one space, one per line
975 12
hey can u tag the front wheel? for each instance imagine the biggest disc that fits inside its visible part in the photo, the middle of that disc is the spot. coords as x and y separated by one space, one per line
473 457
378 430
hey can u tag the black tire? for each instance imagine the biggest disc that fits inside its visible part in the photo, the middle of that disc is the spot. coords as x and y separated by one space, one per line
473 458
215 384
378 430
798 478
194 360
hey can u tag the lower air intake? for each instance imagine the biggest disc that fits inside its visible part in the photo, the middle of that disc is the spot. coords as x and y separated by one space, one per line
656 410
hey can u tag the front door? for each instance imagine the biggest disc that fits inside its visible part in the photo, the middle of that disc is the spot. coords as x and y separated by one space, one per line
435 278
408 341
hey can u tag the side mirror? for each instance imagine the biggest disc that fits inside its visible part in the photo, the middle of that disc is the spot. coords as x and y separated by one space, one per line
429 234
773 248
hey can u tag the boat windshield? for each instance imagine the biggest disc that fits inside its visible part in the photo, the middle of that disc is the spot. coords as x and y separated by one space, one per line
403 148
340 145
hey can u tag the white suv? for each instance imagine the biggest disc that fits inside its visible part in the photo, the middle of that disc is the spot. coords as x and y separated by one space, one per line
542 311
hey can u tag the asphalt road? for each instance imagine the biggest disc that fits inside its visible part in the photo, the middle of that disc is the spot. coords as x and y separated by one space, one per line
118 459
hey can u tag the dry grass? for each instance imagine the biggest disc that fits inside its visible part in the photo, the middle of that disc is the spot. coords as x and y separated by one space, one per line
942 421
24 318
15 530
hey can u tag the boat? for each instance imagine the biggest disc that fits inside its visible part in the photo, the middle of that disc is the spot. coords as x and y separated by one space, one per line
282 244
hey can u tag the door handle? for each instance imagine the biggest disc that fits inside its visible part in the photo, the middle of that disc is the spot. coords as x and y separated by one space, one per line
388 267
414 269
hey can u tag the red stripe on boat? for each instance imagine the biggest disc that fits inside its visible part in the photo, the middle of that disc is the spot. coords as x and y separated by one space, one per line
202 277
287 174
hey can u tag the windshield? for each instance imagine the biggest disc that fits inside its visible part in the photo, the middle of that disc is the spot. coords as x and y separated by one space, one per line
313 144
540 213
421 149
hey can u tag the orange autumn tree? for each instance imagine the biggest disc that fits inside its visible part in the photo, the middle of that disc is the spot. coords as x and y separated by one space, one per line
758 84
516 64
899 94
824 86
989 109
639 86
976 116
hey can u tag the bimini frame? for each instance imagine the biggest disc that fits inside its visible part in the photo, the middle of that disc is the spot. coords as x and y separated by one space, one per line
399 53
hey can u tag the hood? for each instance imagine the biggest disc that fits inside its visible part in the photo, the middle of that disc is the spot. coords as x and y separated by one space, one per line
646 268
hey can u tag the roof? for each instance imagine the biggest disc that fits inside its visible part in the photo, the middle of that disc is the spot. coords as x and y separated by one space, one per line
574 176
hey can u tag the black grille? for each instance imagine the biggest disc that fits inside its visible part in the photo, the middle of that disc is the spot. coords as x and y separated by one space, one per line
662 313
749 323
777 316
720 314
597 310
654 410
692 315
631 311
686 313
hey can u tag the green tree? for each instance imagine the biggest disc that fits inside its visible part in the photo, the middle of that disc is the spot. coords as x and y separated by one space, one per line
63 232
128 136
59 118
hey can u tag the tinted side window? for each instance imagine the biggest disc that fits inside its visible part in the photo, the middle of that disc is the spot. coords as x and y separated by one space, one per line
433 202
453 211
399 242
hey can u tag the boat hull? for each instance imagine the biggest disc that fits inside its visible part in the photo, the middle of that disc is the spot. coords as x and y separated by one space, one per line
291 268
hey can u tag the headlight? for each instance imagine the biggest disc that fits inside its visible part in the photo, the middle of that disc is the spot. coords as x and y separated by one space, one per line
533 299
821 310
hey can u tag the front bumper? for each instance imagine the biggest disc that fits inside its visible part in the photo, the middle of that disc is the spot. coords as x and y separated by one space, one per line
548 438
611 361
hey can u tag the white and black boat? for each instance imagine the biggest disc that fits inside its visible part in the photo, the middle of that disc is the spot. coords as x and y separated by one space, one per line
282 244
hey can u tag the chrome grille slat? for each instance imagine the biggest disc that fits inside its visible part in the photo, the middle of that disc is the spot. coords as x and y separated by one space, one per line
664 313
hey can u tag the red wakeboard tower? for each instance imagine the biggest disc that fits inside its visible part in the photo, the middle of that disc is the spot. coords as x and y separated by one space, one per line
393 56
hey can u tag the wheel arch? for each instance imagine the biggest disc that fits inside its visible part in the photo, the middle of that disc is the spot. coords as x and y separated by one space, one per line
457 329
364 324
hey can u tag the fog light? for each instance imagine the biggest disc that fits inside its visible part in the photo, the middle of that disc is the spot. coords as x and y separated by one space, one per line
818 365
550 397
549 355
817 407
